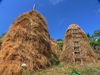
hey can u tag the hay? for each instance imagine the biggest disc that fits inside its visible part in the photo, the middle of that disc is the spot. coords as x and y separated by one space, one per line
88 55
27 41
0 43
54 47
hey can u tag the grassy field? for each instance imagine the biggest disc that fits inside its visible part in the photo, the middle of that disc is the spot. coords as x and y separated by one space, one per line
68 69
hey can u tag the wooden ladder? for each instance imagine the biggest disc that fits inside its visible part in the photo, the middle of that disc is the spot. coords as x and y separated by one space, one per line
79 51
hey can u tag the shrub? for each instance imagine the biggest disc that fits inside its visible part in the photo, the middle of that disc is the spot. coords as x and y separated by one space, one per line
56 59
61 45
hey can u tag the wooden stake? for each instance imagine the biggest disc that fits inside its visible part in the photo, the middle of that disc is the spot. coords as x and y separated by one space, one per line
34 6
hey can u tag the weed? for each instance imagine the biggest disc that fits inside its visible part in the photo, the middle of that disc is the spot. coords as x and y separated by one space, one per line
20 72
98 68
56 59
60 66
89 70
74 72
30 72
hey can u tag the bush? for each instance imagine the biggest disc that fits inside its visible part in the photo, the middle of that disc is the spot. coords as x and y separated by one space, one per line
56 59
61 45
59 40
74 72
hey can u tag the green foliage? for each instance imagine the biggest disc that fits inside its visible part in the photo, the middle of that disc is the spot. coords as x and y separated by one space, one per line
98 39
98 68
61 45
59 40
89 70
30 72
92 40
97 32
56 59
3 34
20 72
88 35
74 72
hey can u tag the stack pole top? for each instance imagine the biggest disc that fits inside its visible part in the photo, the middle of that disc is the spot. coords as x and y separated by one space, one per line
34 7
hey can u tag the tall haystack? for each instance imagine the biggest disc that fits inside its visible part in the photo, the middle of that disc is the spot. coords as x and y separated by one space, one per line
27 41
88 55
0 43
54 47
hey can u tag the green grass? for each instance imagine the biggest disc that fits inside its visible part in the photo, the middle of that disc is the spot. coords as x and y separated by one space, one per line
68 69
98 68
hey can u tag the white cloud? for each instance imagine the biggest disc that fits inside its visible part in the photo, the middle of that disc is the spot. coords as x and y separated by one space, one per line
55 1
62 21
98 10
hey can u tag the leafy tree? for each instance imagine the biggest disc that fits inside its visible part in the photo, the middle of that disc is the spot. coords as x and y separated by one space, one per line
3 34
97 32
88 35
98 39
92 40
92 36
59 40
61 45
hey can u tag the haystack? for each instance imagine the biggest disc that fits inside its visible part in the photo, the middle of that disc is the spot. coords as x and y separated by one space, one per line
26 42
88 55
54 47
0 43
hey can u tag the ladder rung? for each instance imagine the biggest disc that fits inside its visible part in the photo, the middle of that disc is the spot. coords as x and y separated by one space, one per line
76 36
74 52
74 29
75 32
75 41
77 57
77 51
76 46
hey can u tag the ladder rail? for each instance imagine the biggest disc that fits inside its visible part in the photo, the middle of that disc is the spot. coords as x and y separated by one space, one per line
73 46
80 50
76 46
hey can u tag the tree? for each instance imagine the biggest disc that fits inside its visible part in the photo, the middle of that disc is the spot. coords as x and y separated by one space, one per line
59 40
98 40
61 45
97 32
88 35
3 34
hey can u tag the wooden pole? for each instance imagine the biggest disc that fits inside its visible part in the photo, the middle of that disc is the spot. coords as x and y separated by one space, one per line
34 6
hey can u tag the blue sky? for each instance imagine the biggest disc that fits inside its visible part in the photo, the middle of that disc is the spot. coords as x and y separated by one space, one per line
59 14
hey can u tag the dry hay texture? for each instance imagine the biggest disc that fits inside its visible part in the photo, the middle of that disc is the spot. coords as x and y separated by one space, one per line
88 55
55 47
0 43
27 41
